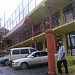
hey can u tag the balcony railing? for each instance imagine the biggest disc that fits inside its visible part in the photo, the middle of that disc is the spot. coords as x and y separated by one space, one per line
25 7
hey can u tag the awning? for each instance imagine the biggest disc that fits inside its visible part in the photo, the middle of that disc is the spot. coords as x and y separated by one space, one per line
65 28
18 27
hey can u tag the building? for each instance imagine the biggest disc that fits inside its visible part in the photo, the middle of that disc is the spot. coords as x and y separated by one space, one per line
27 25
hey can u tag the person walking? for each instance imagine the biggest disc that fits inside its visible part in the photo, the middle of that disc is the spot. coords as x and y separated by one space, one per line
61 59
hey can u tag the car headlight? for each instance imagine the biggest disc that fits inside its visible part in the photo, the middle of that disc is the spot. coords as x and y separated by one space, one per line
15 63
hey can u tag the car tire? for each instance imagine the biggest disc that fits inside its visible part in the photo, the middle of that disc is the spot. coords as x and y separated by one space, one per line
24 65
6 62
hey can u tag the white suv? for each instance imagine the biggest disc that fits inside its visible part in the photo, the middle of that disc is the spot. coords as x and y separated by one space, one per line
16 53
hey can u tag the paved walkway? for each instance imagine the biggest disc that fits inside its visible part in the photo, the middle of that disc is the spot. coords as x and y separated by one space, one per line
70 74
73 74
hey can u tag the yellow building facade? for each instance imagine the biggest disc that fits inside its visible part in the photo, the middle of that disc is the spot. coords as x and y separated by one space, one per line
33 21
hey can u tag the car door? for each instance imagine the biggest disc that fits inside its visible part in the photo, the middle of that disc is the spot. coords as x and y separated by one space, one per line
34 59
43 57
15 54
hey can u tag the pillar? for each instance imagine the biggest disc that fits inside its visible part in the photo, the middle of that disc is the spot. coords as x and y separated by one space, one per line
44 44
35 44
32 29
42 26
64 41
51 46
33 34
61 17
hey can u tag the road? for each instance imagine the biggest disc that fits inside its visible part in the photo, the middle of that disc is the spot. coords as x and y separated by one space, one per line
39 70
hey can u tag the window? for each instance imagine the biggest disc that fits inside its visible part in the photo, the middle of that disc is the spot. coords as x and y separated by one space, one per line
25 3
31 5
15 51
71 43
36 54
37 29
43 53
17 12
56 19
69 17
32 50
73 4
69 12
21 7
13 16
25 11
68 8
24 51
21 16
17 19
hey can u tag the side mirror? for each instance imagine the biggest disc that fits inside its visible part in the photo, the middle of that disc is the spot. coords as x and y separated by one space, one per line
32 56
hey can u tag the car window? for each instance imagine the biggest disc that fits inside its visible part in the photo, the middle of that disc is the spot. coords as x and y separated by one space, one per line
43 54
36 54
15 52
24 51
32 50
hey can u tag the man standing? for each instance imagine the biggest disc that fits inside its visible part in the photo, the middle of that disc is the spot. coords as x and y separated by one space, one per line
61 59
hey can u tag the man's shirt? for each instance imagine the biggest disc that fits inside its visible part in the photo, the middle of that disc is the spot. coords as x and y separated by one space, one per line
60 53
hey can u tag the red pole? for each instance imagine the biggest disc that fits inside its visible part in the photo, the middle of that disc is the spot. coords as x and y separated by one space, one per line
33 34
35 45
50 17
32 29
51 46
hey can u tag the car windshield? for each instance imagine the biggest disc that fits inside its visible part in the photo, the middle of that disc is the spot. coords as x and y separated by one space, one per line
28 55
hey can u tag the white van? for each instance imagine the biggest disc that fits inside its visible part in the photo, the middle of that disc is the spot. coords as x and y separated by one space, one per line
16 53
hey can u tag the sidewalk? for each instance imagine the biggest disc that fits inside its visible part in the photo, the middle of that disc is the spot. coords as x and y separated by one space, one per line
70 73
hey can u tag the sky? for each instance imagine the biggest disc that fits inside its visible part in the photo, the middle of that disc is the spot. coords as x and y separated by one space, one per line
7 7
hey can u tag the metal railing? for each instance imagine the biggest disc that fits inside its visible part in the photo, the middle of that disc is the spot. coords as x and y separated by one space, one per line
25 7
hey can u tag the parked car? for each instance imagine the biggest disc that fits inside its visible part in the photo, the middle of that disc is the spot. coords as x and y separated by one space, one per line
16 53
4 60
35 58
1 59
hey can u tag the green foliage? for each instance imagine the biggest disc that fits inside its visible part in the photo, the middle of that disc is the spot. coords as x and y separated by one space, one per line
71 60
70 63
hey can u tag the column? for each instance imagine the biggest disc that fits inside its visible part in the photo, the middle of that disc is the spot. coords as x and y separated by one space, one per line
32 29
51 46
44 44
33 34
64 41
62 17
